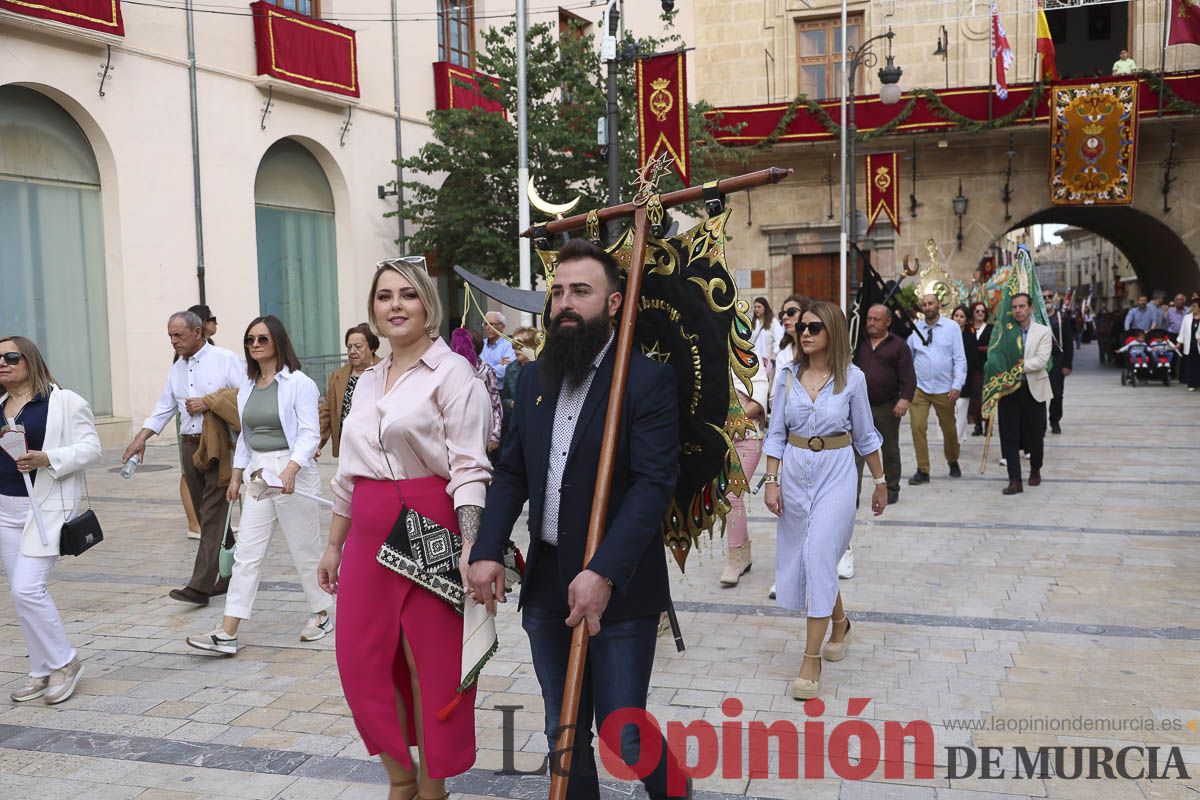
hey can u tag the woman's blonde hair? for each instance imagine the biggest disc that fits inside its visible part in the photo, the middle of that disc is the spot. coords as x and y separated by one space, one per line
417 275
839 342
40 379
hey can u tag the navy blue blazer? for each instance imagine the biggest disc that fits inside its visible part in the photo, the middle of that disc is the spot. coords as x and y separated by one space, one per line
646 467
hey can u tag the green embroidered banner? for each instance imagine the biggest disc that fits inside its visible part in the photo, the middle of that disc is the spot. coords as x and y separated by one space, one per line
1005 360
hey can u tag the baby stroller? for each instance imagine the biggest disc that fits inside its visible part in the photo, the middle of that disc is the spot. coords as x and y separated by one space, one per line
1162 355
1137 365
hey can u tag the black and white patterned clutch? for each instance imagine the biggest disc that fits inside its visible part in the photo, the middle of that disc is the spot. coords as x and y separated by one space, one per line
425 552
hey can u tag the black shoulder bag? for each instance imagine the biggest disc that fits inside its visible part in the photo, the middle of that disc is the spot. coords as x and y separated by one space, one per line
83 532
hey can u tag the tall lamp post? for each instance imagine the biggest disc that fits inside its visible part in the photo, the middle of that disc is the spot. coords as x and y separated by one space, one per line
889 95
959 204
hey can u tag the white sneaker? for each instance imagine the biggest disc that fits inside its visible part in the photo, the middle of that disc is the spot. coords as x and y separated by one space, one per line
319 625
32 690
1026 456
845 567
771 594
1004 462
215 641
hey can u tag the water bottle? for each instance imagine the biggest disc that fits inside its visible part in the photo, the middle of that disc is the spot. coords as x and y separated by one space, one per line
130 467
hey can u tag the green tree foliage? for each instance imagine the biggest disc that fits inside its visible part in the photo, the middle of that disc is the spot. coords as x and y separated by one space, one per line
462 196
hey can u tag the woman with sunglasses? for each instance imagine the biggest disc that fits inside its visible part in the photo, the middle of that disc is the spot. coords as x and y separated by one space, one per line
789 315
981 335
820 410
962 317
415 440
277 406
61 441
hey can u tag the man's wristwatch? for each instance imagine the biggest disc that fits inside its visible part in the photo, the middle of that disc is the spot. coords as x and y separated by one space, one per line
879 481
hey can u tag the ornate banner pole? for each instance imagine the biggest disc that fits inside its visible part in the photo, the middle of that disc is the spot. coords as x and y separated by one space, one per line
647 184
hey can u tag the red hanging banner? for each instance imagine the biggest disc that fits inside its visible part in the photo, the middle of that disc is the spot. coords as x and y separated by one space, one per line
457 87
883 188
305 51
1184 22
663 111
95 15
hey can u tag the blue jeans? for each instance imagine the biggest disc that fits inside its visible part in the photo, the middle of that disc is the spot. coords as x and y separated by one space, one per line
617 676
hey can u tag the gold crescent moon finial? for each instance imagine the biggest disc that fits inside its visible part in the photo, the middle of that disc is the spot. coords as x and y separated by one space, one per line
550 209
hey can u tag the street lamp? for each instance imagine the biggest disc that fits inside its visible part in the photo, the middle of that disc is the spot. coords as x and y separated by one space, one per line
960 210
889 94
943 50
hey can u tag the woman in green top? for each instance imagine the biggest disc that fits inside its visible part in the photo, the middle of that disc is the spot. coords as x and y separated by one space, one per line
280 433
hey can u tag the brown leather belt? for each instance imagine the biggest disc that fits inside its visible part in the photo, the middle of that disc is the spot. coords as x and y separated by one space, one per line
190 438
834 441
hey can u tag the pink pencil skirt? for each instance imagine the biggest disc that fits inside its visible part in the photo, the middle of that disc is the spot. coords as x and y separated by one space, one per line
377 610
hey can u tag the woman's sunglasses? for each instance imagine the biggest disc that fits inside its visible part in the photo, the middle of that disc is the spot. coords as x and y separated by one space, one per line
789 312
12 359
416 261
262 339
813 328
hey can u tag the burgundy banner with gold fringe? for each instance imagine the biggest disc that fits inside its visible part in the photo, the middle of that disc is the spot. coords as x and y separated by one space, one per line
663 111
458 87
1093 144
883 188
305 51
95 15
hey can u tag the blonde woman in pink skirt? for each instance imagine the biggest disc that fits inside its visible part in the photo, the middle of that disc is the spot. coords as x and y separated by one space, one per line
416 437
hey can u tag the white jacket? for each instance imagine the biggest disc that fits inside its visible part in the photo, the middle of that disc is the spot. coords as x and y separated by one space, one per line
760 390
71 444
1039 344
298 401
765 339
1186 342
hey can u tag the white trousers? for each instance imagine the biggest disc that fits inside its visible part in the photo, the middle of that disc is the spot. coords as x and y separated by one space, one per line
45 637
300 520
960 417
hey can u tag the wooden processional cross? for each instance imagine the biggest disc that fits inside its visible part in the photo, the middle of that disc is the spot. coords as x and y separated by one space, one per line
646 198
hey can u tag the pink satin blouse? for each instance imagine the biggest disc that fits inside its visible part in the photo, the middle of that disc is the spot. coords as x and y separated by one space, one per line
435 420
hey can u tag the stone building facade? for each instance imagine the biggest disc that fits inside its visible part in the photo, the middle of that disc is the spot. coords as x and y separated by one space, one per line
773 50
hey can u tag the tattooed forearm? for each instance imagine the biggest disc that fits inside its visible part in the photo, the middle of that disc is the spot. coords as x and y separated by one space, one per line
469 518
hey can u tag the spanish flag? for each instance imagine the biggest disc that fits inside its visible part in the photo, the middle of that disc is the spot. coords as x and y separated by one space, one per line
1045 46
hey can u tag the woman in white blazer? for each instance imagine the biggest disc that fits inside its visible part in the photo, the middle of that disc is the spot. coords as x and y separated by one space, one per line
765 336
1188 340
61 437
280 433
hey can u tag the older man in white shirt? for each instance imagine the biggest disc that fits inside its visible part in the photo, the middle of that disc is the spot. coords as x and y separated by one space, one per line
941 366
201 369
497 352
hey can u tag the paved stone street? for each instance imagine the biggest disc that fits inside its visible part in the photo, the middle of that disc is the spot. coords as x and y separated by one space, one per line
1079 599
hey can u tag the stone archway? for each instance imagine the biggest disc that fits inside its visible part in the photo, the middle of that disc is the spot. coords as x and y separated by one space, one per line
1159 257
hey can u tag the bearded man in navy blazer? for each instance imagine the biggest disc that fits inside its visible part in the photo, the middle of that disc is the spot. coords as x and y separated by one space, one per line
549 457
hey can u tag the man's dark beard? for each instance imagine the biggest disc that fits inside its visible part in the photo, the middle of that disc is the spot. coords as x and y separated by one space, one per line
569 352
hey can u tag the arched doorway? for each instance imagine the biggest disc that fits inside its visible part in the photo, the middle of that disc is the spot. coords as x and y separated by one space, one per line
1159 257
52 243
297 253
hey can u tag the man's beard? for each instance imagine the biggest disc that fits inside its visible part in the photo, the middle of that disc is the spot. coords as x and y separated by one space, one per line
569 351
